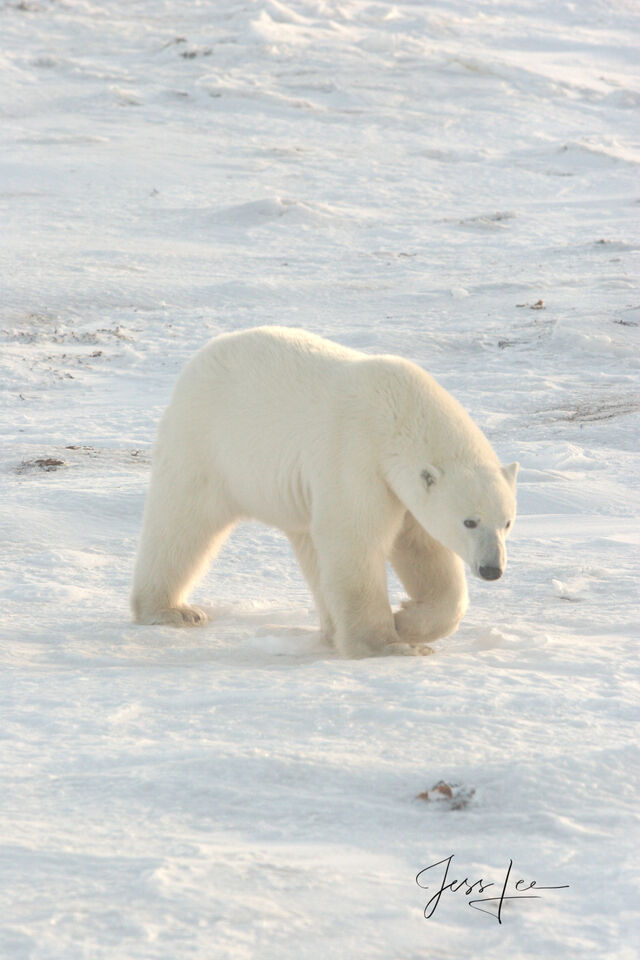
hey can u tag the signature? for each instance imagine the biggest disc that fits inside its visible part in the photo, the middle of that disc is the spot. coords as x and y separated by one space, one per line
478 887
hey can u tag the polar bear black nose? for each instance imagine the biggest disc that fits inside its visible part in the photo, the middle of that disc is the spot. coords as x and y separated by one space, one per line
490 573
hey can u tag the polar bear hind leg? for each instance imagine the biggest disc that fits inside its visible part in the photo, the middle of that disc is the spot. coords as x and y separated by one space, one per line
434 578
186 521
307 557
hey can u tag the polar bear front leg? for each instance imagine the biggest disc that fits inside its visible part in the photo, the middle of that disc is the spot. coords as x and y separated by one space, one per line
434 578
354 587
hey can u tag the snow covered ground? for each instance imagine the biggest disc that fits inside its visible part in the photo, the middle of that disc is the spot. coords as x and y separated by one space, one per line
453 181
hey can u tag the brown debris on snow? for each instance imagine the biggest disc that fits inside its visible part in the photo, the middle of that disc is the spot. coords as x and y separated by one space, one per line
454 796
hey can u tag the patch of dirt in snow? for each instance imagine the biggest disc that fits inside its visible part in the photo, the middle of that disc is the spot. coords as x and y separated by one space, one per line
590 411
46 464
77 455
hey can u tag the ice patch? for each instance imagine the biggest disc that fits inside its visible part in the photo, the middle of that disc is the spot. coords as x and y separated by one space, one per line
279 13
126 98
620 341
459 293
490 639
574 592
256 214
256 210
598 152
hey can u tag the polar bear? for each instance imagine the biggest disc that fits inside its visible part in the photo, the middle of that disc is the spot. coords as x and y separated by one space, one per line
359 459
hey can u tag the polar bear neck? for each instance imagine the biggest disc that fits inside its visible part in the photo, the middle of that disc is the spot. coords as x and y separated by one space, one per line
426 419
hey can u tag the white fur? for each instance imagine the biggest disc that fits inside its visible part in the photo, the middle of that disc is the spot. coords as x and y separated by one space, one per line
358 459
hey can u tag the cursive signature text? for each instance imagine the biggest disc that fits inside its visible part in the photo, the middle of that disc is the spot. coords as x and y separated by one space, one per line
493 904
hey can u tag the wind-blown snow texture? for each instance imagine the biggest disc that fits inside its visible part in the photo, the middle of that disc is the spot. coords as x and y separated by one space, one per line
455 182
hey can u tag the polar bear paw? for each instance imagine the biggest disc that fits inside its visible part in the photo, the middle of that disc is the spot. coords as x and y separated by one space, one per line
188 616
182 616
406 649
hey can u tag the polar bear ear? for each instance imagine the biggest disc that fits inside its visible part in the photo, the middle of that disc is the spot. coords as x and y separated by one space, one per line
510 472
431 475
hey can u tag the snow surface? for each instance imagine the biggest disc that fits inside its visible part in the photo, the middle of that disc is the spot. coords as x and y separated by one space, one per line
452 181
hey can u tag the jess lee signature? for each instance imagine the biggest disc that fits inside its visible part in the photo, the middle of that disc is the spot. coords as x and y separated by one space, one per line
469 887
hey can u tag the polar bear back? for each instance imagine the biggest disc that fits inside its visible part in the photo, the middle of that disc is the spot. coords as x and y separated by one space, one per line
267 410
278 414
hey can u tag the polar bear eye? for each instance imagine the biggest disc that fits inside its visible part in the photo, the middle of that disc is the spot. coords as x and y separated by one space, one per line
507 524
471 524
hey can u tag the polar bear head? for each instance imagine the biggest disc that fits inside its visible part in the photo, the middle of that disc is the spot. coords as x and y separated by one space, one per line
467 505
442 468
471 510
